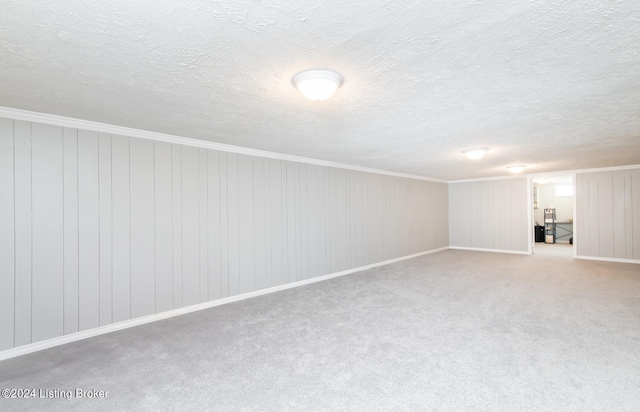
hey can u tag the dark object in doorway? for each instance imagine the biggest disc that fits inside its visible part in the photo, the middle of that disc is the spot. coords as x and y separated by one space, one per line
539 233
571 240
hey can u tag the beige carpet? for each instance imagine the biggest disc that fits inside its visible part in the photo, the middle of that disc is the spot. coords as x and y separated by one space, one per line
451 331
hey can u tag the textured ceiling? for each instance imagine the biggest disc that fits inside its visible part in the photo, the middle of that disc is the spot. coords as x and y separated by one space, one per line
553 84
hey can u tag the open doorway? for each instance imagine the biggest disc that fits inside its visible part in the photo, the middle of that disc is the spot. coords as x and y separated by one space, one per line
553 215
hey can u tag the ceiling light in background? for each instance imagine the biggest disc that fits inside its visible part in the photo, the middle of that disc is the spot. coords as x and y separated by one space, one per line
475 153
516 168
317 85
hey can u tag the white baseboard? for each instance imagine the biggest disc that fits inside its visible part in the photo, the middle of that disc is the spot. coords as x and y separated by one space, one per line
605 259
516 252
73 337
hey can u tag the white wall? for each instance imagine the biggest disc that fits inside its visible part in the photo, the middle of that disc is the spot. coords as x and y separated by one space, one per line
608 214
547 199
490 215
98 228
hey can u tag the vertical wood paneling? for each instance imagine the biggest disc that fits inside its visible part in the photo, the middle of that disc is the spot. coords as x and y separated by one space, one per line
496 214
519 193
392 217
303 219
334 205
605 214
224 227
88 230
608 214
190 226
143 285
268 268
213 203
312 219
22 167
367 211
125 227
233 224
464 197
356 240
340 221
7 233
635 193
393 220
488 214
106 253
594 233
464 193
47 230
176 194
618 218
421 208
277 224
121 226
70 220
406 237
583 223
203 225
464 223
385 236
503 211
454 206
486 223
163 236
404 204
246 246
323 222
378 202
366 218
290 222
475 222
259 233
628 215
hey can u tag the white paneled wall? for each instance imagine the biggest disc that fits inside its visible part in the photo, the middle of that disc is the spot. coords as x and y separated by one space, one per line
98 228
489 215
8 273
608 214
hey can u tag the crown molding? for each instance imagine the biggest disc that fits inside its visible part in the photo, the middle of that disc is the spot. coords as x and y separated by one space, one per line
484 179
29 116
551 174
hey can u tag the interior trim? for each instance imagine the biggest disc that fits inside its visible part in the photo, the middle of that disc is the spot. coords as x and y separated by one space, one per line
606 259
101 330
554 173
25 115
477 249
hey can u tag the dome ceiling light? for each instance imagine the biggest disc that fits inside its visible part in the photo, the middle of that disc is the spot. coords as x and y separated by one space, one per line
516 168
317 85
475 153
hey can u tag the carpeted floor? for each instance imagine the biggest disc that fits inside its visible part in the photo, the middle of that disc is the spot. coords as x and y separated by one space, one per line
451 331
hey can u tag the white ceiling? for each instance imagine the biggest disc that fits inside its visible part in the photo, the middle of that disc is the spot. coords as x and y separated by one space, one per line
554 84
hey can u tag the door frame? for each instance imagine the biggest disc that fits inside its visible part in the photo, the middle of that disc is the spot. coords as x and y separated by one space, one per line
530 210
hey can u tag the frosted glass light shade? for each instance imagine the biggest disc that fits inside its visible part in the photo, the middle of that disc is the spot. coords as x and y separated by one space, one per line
317 85
516 168
476 153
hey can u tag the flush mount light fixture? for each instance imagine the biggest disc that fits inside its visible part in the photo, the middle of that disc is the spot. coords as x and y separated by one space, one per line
516 168
475 153
317 85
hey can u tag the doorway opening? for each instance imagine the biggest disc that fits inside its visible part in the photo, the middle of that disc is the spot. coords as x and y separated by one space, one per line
553 215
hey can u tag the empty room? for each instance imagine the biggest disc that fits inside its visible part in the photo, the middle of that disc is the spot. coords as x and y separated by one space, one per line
320 205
